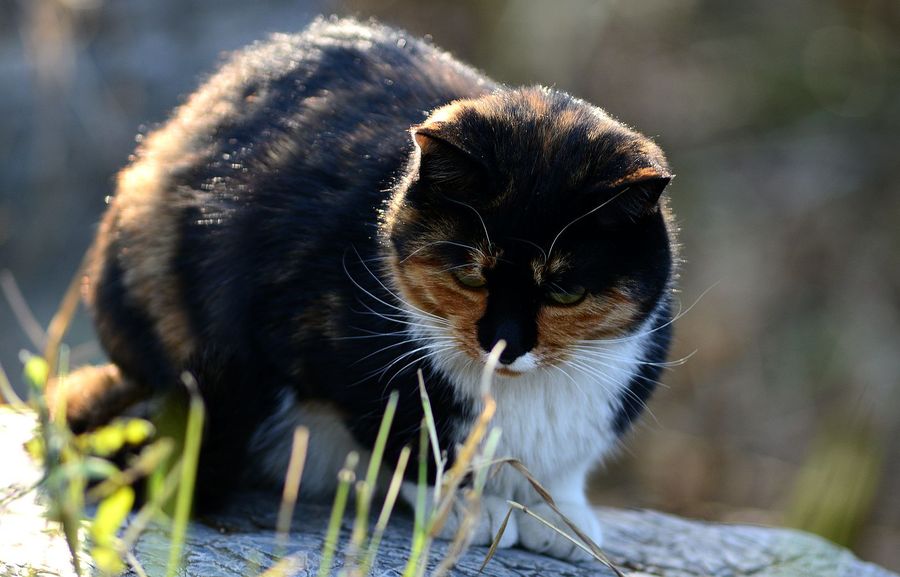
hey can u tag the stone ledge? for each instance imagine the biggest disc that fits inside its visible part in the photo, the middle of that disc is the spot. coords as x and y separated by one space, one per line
643 543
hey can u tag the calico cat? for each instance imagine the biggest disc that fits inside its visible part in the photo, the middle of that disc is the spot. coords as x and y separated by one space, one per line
332 211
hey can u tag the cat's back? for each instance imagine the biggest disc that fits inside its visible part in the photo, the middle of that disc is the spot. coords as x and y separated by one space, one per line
287 149
335 100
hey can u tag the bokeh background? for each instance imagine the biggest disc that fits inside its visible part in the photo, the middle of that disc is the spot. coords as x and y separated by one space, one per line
781 120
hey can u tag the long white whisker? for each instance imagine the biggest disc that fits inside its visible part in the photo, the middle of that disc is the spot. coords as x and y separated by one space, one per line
574 382
407 354
396 296
450 242
478 214
534 244
592 211
420 359
601 353
681 312
371 335
385 303
601 376
633 376
404 342
393 317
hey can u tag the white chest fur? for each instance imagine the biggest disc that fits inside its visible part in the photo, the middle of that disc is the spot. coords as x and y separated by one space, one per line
559 421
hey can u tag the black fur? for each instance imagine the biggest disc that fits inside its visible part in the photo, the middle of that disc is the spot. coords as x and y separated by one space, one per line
279 243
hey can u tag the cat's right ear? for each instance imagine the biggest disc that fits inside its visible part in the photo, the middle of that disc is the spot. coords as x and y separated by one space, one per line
445 162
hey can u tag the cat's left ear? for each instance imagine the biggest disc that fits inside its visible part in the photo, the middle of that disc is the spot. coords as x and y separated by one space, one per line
638 193
444 160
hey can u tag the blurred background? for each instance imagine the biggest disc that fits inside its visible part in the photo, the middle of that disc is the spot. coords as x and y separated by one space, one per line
781 120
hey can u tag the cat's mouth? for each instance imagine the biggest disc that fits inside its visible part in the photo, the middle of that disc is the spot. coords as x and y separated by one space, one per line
508 372
517 367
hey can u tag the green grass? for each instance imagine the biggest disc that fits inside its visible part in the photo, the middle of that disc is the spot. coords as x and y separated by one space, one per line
72 463
90 497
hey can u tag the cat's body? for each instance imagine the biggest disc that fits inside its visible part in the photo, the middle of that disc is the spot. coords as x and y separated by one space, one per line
289 242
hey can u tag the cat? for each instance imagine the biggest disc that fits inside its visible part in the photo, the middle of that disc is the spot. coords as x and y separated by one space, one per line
332 211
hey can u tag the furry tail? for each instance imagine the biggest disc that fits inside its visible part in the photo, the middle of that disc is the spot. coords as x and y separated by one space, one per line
94 395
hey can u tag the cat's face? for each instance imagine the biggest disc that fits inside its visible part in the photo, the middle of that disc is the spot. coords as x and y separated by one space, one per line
532 217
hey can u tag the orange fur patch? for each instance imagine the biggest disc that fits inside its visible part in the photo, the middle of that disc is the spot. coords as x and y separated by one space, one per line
94 395
596 317
424 285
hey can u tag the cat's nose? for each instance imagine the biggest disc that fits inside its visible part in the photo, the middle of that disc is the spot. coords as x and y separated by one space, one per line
516 345
509 356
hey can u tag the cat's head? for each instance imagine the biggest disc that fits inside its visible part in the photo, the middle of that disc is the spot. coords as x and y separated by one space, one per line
529 216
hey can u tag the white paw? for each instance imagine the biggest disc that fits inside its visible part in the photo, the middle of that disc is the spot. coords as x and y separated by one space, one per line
483 529
539 538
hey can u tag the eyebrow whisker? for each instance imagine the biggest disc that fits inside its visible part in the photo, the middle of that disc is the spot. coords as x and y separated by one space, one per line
592 211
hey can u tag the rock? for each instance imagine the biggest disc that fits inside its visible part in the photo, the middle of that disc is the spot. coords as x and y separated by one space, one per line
240 541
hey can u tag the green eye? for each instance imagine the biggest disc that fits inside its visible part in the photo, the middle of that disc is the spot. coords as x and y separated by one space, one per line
569 296
470 277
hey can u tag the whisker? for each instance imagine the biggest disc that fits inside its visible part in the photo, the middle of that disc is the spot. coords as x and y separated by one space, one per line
459 266
371 335
396 296
420 359
450 242
604 354
407 354
681 313
592 211
599 380
387 304
574 382
534 244
392 317
634 376
478 214
411 339
629 395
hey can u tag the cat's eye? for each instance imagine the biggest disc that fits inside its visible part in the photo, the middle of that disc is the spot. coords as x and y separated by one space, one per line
565 296
470 278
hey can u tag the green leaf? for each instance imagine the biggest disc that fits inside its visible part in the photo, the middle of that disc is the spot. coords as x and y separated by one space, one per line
36 371
35 448
98 469
111 513
107 560
107 440
137 431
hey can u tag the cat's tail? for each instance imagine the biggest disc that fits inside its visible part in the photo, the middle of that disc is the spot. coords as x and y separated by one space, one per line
93 395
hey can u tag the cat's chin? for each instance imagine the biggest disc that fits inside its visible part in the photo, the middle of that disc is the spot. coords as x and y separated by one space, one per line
505 372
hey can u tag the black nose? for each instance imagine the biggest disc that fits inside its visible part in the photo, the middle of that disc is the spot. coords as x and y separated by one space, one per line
517 343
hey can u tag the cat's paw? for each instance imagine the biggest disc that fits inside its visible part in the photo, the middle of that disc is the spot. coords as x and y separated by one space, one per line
490 519
537 537
491 515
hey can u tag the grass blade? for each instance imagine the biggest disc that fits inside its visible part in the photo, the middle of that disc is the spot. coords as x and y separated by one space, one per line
190 456
386 510
346 476
8 394
21 310
496 541
60 322
432 434
556 529
592 548
366 488
292 479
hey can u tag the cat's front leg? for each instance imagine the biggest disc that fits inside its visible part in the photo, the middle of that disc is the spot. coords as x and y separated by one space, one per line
492 511
568 494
